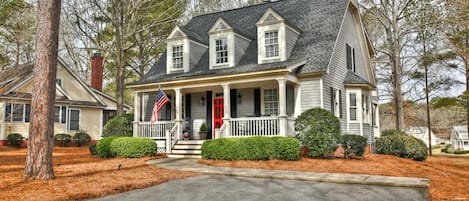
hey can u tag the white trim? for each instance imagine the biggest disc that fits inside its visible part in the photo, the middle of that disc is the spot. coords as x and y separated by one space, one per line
17 86
101 123
69 117
321 92
174 31
220 21
230 40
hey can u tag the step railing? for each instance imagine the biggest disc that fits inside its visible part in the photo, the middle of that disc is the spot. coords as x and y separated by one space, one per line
255 126
171 139
154 130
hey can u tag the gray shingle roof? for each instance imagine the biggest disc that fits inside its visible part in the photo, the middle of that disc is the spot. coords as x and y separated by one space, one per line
352 78
318 20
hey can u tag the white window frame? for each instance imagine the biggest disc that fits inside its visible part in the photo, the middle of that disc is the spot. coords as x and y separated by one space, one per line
273 102
185 55
352 56
350 107
271 44
69 118
220 48
59 82
176 65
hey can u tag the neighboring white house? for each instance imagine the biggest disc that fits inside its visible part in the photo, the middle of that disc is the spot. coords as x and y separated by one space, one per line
422 133
78 106
253 70
459 138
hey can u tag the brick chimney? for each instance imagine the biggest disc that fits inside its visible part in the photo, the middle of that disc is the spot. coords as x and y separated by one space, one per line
97 72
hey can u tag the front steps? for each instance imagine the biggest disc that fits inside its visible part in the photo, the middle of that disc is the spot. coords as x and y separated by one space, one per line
187 149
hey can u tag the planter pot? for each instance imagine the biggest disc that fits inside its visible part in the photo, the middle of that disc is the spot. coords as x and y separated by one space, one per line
202 135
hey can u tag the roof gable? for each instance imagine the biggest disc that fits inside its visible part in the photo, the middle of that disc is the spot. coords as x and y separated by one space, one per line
270 16
220 25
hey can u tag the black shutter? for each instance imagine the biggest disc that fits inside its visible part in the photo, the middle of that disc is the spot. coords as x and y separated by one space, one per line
349 56
167 107
332 100
353 56
233 103
257 102
27 113
208 116
188 106
340 104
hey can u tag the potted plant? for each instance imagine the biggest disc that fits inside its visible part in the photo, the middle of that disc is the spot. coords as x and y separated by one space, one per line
203 131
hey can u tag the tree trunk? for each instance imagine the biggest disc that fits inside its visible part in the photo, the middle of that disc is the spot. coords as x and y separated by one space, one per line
41 129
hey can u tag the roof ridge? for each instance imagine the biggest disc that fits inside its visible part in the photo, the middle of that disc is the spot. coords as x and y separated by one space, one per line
233 9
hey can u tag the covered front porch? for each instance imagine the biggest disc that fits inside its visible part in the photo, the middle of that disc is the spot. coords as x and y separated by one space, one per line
242 108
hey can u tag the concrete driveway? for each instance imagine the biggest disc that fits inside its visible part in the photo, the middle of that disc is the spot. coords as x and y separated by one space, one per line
226 188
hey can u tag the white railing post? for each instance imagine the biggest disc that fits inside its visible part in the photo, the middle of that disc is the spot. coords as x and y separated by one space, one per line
282 102
226 110
168 141
178 119
136 114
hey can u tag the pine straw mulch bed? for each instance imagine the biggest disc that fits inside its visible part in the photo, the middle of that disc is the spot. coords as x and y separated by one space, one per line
449 175
79 176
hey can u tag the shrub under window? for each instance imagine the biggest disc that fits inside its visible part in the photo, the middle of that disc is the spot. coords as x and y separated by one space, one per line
353 145
15 139
63 139
120 125
81 138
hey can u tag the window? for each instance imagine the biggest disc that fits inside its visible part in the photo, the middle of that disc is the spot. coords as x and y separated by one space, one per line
271 44
64 115
8 112
27 113
365 107
18 111
336 102
466 142
221 50
351 65
178 57
74 122
270 101
57 114
109 114
353 106
59 82
60 114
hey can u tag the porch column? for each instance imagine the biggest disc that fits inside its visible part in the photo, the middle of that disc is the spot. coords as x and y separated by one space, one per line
178 119
137 109
226 109
282 106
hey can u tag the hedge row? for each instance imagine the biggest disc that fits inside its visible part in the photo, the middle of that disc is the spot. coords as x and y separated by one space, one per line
404 146
127 147
79 138
252 148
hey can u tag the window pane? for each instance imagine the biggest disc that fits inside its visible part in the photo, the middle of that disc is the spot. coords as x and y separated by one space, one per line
353 100
177 57
74 119
221 51
27 113
353 113
8 112
18 112
64 115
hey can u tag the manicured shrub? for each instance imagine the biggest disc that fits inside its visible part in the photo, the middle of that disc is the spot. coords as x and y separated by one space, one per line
392 132
15 140
63 139
252 148
353 145
403 146
103 147
132 147
81 138
119 126
461 152
92 149
319 131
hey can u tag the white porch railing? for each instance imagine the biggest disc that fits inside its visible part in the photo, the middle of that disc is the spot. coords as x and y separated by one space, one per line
255 126
171 138
154 130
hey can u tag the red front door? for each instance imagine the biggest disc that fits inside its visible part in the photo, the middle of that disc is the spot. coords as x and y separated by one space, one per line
217 113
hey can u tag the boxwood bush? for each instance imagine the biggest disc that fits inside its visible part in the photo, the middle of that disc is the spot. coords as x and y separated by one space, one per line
252 148
392 132
353 145
119 126
132 147
81 138
63 139
319 131
103 147
92 149
404 146
15 140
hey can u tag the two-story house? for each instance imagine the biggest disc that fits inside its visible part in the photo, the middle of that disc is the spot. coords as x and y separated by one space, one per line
253 70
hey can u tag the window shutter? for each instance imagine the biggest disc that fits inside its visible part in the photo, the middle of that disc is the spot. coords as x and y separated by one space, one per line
27 113
188 106
167 109
332 99
349 56
354 67
340 104
208 117
233 103
257 102
8 115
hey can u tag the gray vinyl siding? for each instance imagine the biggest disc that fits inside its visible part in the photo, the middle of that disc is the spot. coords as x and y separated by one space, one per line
291 38
198 111
367 132
354 128
246 108
241 45
310 93
196 52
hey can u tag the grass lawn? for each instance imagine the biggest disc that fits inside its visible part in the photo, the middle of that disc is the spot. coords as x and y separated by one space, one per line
449 175
78 176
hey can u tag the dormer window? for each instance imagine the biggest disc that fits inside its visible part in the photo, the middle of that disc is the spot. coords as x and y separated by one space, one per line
221 50
178 57
271 44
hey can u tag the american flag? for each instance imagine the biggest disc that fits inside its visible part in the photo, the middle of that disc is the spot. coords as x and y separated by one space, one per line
161 100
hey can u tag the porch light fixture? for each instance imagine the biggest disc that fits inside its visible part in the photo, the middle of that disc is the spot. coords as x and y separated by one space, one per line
239 98
202 101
